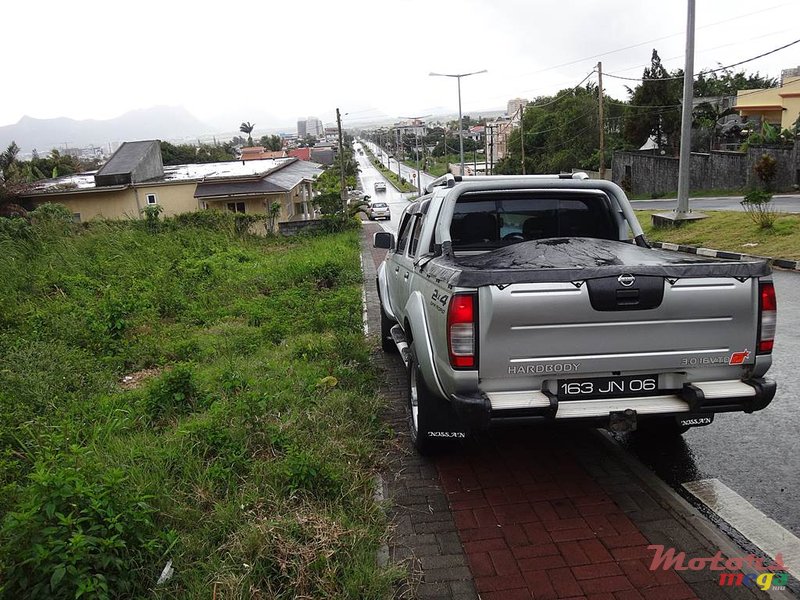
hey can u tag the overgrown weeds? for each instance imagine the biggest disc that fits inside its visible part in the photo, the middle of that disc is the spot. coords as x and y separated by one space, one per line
246 457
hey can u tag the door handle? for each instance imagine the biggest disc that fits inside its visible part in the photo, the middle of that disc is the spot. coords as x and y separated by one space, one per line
406 275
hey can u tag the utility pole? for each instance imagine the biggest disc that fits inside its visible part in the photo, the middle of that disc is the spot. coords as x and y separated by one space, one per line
522 135
419 180
686 117
601 121
341 161
682 212
486 129
491 153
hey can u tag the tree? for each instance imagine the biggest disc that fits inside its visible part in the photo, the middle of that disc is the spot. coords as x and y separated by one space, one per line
247 127
181 154
727 83
562 133
271 142
708 116
655 108
8 157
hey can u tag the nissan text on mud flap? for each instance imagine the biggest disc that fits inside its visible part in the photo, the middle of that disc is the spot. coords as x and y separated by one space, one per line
538 298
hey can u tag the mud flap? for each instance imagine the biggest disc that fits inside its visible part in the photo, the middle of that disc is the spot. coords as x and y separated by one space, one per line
471 413
444 422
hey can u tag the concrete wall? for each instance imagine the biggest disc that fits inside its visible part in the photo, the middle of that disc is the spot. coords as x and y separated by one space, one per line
118 204
727 170
643 173
173 198
295 227
788 159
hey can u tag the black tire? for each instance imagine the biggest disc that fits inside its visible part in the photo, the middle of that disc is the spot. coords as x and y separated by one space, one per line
387 343
420 403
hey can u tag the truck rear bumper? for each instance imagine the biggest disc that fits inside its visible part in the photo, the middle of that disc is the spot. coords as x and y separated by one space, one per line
483 410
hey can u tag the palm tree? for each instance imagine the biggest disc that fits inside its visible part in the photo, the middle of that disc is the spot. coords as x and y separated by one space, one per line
247 127
708 115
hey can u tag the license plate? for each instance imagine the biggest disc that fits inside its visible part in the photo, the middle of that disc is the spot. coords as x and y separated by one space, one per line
607 387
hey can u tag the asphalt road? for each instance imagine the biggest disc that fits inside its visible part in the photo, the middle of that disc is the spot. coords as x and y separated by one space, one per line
407 173
397 201
788 203
755 455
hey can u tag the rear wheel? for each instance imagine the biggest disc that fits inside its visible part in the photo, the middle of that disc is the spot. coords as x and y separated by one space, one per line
420 403
387 343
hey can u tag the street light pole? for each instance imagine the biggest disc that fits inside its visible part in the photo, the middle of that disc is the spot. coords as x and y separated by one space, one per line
686 118
458 76
415 121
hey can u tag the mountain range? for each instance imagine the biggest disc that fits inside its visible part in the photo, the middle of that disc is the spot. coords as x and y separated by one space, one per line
158 122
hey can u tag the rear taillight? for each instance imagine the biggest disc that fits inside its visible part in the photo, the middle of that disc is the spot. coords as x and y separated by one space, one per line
768 316
461 329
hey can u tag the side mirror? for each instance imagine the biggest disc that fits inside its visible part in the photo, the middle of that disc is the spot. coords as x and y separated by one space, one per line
383 239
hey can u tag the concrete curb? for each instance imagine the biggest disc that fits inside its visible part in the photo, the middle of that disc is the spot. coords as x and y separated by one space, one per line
781 263
681 508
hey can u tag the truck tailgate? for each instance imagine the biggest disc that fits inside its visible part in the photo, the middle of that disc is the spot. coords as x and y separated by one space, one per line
579 328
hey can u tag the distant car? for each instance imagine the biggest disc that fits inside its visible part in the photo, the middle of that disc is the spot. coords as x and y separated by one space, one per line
380 186
379 210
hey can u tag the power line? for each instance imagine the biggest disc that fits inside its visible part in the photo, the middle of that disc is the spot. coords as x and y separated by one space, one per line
594 56
741 62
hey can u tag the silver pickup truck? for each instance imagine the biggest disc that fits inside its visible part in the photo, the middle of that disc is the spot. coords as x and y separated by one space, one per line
537 298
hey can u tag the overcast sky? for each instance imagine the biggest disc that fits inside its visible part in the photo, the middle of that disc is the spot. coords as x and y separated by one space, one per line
274 61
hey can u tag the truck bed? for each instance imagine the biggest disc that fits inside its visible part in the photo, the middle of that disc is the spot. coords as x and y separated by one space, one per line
580 259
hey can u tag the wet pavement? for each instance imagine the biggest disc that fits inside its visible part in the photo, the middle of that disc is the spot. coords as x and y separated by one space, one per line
396 200
756 455
787 203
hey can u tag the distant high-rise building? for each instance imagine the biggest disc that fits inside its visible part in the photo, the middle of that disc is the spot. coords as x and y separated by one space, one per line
514 105
302 128
314 127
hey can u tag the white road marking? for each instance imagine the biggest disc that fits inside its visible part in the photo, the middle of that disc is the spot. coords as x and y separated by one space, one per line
757 527
364 316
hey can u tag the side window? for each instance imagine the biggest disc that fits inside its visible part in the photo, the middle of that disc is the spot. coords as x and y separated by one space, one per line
405 231
412 251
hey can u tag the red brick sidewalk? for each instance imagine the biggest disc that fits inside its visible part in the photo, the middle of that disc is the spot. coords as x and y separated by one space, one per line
534 524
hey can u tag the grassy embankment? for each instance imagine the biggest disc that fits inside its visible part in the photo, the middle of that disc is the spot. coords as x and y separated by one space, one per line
732 231
402 185
242 442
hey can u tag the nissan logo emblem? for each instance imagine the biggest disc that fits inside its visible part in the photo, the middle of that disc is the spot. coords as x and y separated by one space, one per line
626 280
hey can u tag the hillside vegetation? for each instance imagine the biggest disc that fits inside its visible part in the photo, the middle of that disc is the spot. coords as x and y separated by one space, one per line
183 393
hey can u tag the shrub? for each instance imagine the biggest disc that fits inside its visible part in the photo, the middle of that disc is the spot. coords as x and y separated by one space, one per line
766 168
75 536
758 204
174 393
151 212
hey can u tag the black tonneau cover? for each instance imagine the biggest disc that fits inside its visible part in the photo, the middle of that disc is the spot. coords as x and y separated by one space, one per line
579 259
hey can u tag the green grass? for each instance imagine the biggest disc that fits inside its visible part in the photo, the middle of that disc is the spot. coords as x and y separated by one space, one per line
732 231
246 457
438 165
